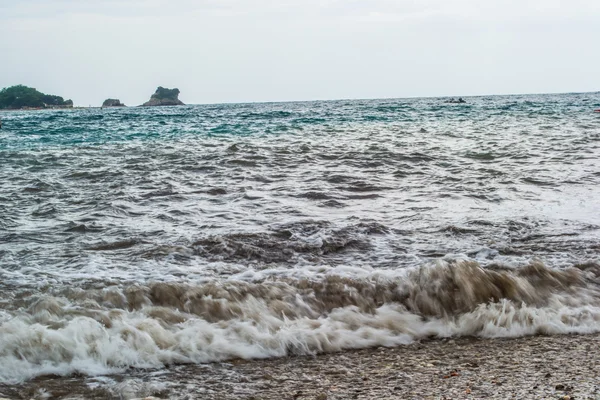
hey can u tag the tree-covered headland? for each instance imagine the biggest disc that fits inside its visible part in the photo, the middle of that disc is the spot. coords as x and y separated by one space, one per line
20 96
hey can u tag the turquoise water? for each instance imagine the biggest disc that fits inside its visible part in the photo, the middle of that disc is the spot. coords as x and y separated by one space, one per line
98 126
142 237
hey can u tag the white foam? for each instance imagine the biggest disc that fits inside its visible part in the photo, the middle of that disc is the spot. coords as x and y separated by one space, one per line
136 339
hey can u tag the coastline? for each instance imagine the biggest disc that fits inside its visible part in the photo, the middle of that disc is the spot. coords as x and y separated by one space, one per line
535 367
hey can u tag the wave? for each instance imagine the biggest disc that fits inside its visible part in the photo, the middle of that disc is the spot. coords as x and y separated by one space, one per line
274 313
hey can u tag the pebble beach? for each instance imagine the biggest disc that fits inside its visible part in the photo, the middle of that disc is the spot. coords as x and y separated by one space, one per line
538 367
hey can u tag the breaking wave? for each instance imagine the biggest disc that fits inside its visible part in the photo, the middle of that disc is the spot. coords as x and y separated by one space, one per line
275 313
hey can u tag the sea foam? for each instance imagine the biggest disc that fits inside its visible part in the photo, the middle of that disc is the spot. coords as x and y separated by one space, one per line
109 330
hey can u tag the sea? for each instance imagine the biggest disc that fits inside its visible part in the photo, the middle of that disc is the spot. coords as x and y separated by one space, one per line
133 240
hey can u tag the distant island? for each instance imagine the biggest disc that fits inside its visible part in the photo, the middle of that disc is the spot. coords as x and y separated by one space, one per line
164 97
112 103
23 97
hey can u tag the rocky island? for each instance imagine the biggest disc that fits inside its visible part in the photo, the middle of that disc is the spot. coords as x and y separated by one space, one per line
21 97
164 97
112 103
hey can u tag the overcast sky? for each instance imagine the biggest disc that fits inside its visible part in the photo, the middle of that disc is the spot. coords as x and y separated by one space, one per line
274 50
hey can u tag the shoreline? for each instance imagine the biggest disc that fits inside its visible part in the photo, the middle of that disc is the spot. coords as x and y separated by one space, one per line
534 367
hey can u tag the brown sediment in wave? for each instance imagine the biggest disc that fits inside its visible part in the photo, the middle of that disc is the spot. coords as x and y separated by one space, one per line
442 290
453 289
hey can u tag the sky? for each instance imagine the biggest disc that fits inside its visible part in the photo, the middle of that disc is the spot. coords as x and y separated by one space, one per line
220 51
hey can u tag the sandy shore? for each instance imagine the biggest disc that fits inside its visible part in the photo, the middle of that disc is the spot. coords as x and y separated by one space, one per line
541 367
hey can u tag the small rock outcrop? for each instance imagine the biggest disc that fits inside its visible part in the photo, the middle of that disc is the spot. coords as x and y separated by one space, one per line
164 97
112 103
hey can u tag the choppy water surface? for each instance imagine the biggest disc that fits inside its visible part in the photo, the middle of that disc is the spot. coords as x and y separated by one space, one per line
143 237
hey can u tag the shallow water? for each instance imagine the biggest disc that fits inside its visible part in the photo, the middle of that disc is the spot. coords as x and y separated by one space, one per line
143 237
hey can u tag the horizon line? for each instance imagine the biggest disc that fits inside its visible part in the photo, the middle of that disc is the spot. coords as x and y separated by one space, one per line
353 98
390 98
365 98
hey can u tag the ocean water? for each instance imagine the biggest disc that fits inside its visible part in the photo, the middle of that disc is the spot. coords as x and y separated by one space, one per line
137 238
